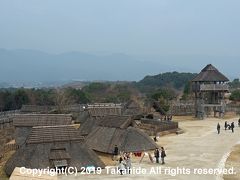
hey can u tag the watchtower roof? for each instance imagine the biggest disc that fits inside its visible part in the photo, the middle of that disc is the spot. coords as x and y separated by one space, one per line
210 74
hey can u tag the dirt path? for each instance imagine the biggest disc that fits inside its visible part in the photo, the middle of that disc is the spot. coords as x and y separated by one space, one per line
199 147
233 160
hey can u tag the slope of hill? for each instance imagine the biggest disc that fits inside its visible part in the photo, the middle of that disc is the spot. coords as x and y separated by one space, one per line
173 80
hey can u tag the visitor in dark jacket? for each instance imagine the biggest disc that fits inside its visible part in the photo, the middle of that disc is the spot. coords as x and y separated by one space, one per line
225 125
163 155
232 126
115 153
218 128
157 155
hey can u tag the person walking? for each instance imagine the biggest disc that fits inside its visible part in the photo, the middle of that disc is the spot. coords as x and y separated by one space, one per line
239 122
218 128
232 127
121 165
128 164
163 155
157 155
115 153
155 139
225 125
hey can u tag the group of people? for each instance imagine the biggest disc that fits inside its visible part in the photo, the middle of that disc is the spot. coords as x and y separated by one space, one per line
160 153
227 126
125 164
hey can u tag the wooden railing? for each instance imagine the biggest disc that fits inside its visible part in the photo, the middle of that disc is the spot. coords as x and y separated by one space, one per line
210 87
6 118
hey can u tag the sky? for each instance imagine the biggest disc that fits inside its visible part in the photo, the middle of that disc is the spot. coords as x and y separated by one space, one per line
135 27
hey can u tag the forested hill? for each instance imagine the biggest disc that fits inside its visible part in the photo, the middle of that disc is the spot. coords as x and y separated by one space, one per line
173 80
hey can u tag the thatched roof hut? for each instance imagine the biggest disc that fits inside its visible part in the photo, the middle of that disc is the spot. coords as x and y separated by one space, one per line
53 146
132 108
210 74
108 121
118 130
104 139
24 122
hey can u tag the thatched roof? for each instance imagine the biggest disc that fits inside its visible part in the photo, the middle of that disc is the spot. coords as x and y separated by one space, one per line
121 122
104 139
25 122
132 108
59 154
107 121
30 120
49 134
21 134
132 104
88 126
39 156
83 116
47 144
210 74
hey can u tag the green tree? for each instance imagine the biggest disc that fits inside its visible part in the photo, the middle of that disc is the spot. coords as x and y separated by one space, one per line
167 94
235 95
77 96
20 98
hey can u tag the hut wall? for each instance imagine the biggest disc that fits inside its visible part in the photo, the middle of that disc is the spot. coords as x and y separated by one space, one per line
6 118
182 108
103 109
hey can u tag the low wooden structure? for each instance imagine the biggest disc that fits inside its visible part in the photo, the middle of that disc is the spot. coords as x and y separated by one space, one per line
6 118
104 109
182 108
154 126
6 122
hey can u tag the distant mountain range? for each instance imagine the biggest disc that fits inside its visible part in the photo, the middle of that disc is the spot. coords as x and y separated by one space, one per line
31 66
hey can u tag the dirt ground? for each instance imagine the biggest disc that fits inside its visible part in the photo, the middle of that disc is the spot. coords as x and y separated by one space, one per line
3 176
198 148
233 161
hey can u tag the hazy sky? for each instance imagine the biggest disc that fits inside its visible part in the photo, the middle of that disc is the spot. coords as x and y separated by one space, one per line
156 27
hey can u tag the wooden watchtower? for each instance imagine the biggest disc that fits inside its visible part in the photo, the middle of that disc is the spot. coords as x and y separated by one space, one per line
209 87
